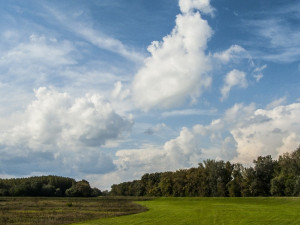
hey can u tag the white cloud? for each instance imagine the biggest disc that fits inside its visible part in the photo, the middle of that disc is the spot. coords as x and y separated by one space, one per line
258 76
259 69
180 152
63 135
55 119
177 68
233 78
188 112
267 132
276 102
258 72
95 37
235 52
119 92
40 50
36 62
203 5
273 33
155 129
243 134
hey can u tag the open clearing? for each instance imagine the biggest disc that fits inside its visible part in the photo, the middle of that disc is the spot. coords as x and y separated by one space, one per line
184 211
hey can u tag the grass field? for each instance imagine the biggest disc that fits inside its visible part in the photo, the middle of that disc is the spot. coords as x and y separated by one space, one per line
185 211
57 211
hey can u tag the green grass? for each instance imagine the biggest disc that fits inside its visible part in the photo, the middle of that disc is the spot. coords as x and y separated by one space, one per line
185 211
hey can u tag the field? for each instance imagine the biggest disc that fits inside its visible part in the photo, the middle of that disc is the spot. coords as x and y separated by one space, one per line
56 211
169 211
218 211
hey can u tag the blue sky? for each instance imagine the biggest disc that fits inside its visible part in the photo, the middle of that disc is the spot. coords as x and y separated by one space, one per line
109 90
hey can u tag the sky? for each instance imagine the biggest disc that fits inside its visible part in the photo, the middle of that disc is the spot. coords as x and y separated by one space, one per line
110 90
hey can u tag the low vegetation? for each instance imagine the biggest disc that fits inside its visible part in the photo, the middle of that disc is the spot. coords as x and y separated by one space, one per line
47 186
213 211
56 211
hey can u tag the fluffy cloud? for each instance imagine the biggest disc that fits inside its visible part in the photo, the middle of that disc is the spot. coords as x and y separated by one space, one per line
202 5
233 78
177 153
241 135
178 66
56 126
56 119
272 132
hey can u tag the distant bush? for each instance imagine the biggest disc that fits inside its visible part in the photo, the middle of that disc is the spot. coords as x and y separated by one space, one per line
47 186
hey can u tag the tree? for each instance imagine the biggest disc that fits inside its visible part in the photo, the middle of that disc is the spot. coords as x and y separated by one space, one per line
264 173
80 189
235 185
166 184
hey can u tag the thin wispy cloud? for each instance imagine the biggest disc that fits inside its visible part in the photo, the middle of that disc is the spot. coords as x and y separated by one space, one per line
189 112
95 37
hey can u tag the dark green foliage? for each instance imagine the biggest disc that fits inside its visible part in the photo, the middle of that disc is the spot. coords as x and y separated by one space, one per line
80 189
47 186
222 179
286 181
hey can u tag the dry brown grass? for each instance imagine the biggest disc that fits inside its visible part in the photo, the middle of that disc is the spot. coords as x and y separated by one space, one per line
56 211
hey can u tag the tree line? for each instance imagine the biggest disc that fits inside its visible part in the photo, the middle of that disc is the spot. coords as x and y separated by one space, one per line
212 178
47 186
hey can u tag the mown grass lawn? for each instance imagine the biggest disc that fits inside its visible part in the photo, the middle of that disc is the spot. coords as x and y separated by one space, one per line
184 211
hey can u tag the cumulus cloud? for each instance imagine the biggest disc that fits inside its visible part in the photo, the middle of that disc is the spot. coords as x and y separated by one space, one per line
56 119
202 5
267 132
241 135
66 133
233 78
178 66
180 152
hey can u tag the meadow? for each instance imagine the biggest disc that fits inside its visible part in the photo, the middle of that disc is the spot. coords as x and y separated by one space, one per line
132 210
218 211
57 211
